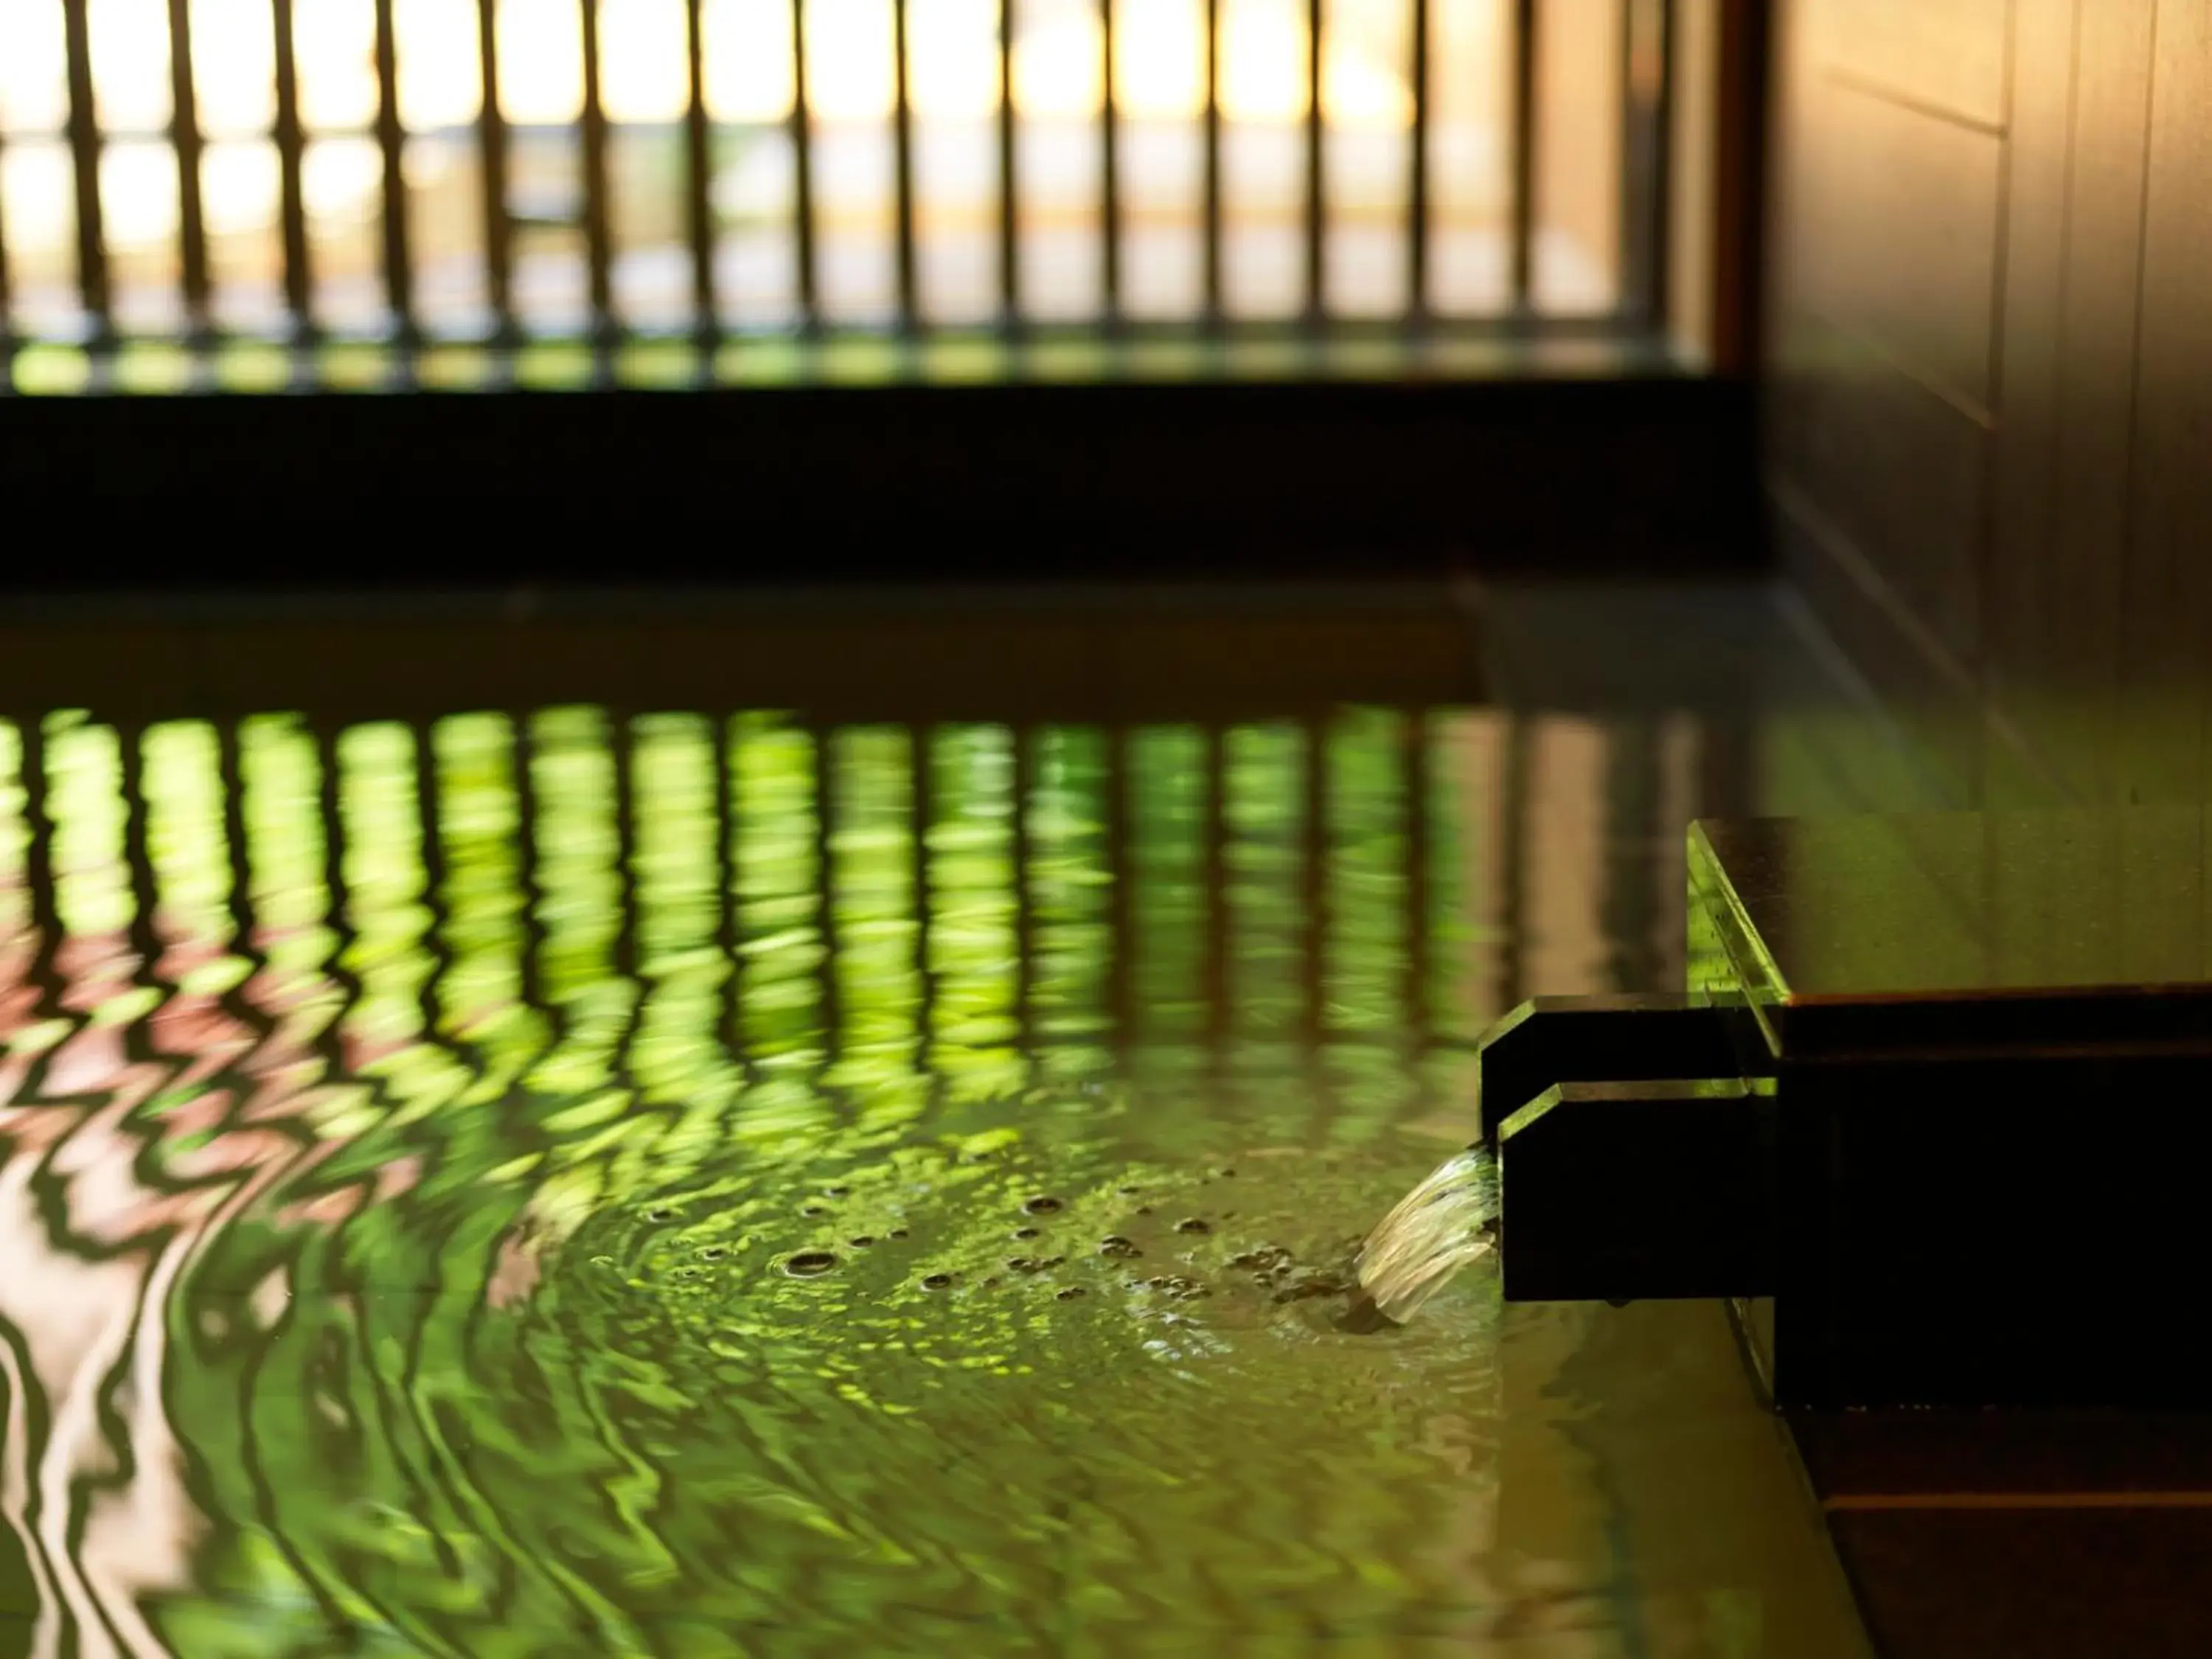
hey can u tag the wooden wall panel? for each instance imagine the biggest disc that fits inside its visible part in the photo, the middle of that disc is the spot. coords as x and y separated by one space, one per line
2009 206
2165 650
2096 329
1904 253
1692 139
1929 697
1946 55
2018 637
1886 231
1899 470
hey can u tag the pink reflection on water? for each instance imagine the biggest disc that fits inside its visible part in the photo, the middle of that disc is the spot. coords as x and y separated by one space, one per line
148 1192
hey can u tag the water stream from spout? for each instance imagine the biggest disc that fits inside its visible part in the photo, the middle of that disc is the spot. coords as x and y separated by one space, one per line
1447 1221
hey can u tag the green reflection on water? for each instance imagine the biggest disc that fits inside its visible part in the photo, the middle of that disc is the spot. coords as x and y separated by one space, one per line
873 865
972 904
474 1095
1264 778
1167 788
1069 882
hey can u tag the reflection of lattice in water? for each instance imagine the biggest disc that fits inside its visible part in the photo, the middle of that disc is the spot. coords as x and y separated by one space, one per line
840 914
443 1091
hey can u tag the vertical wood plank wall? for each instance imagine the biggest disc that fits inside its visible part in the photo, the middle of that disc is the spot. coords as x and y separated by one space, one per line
1990 351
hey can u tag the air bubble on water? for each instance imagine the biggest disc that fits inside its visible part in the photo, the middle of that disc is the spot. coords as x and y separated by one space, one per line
1118 1247
1070 1294
1175 1285
1041 1206
712 1253
661 1212
1025 1232
1194 1225
860 1241
814 1209
809 1264
836 1192
937 1282
896 1232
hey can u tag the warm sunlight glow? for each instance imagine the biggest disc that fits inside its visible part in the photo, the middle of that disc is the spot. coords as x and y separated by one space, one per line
541 60
130 62
33 83
234 67
239 187
953 68
440 78
138 194
37 185
335 41
748 60
645 81
644 69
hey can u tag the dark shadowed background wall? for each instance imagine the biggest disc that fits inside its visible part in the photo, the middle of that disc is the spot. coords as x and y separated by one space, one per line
1991 378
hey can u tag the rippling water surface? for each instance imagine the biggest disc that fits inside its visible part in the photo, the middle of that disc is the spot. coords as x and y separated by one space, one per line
570 1184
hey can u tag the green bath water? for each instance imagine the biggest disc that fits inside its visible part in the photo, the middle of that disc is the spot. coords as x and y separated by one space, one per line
564 1185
